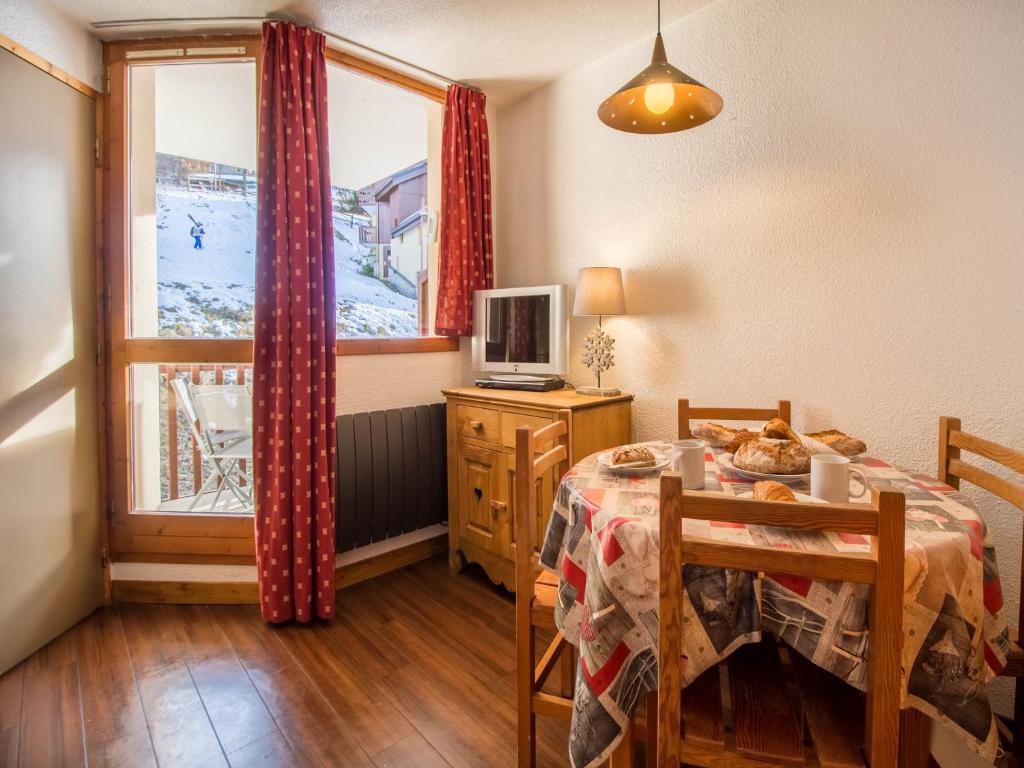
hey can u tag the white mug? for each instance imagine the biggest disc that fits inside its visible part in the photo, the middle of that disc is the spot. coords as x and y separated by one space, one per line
688 460
830 478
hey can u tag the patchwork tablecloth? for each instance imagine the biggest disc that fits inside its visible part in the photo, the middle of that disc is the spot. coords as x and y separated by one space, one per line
602 541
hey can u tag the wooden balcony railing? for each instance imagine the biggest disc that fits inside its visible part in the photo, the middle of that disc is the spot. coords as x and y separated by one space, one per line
196 373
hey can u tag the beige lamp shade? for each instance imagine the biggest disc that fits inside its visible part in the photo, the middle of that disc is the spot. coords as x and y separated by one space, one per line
599 292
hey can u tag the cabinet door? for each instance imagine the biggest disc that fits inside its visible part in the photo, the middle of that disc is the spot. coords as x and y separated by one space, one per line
545 489
481 504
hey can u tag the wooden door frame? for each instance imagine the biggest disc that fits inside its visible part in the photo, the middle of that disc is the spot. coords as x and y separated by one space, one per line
135 534
167 536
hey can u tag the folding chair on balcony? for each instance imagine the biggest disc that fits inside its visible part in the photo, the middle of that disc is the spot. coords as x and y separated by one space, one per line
225 449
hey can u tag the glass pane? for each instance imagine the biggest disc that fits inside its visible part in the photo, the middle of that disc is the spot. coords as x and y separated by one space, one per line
192 437
385 144
193 199
518 329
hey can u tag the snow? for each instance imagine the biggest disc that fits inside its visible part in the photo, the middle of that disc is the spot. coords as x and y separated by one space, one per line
211 292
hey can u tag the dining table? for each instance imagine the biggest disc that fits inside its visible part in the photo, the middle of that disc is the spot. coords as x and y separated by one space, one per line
602 543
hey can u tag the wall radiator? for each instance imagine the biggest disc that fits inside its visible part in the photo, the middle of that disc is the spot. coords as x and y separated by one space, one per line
392 474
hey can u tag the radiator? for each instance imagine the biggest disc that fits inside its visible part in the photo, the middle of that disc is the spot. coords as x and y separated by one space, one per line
392 474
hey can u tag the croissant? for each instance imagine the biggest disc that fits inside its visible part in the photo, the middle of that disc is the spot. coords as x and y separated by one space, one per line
741 436
779 430
770 490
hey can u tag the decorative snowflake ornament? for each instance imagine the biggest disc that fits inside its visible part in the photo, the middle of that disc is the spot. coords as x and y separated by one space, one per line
597 352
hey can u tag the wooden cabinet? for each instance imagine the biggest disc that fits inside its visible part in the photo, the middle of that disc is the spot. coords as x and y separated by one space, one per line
482 427
480 495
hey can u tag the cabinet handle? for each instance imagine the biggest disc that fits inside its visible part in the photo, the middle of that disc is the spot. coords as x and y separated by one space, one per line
476 424
497 507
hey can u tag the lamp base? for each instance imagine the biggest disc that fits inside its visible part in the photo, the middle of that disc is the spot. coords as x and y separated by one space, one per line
599 391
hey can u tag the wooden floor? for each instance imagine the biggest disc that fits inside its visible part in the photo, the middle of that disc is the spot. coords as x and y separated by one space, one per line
416 670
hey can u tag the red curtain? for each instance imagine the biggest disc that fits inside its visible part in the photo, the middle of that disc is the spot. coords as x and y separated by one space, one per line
466 255
293 370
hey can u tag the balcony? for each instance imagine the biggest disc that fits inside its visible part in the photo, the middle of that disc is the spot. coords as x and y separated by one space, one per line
185 465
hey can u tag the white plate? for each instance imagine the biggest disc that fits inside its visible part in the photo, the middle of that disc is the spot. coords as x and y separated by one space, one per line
801 497
725 459
661 463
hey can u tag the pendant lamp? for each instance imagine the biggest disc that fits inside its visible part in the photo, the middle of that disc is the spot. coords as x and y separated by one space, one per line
661 99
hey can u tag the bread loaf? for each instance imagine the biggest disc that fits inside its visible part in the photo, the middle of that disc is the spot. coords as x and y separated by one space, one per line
714 435
772 457
633 454
838 441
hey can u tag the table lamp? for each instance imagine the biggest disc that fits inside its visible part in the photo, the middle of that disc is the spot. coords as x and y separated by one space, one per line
599 292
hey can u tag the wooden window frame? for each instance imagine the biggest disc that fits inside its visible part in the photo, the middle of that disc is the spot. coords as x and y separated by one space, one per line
170 536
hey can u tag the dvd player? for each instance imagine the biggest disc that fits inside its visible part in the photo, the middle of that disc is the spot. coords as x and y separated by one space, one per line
522 382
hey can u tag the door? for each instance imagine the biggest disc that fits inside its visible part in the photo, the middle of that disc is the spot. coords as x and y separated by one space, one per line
546 487
481 502
51 524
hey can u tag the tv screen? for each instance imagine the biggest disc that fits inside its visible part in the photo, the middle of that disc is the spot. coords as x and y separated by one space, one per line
518 329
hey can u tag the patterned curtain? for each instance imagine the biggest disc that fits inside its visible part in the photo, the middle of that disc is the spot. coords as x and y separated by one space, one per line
293 370
466 256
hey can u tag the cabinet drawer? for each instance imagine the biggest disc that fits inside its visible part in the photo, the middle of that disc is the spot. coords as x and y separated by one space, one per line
481 423
510 422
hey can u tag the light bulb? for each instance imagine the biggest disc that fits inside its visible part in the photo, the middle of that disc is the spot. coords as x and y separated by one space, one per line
659 98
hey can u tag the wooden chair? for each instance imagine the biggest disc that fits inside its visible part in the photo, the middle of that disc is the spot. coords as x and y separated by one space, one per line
951 471
536 595
686 413
767 718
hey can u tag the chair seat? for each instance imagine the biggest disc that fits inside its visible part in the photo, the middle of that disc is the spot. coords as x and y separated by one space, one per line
545 595
768 714
1015 660
240 450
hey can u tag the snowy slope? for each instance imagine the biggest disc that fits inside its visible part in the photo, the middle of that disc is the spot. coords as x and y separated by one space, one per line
210 292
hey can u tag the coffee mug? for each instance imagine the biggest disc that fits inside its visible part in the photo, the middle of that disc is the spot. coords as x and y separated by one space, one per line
688 460
830 478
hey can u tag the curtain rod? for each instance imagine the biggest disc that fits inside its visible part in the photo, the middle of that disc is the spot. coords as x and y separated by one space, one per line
229 20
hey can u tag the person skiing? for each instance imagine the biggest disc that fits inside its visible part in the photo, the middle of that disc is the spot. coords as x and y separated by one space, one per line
197 232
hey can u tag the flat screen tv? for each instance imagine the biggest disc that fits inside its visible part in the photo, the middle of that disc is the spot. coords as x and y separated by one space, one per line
520 330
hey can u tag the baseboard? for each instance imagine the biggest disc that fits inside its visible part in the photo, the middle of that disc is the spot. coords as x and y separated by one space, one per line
185 592
348 574
236 585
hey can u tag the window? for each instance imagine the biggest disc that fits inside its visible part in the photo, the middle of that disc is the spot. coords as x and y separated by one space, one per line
193 199
180 197
385 181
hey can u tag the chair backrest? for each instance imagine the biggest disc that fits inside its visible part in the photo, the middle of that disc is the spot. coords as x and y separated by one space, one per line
952 469
183 392
529 467
222 406
686 413
883 520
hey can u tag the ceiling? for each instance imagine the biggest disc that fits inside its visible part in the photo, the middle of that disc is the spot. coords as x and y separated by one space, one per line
506 47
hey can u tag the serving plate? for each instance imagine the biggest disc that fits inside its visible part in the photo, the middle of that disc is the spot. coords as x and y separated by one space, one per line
725 460
661 463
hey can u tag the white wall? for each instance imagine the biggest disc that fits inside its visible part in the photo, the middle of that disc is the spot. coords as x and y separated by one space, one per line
376 382
49 33
848 233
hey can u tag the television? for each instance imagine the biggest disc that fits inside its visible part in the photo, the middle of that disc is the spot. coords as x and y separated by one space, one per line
521 331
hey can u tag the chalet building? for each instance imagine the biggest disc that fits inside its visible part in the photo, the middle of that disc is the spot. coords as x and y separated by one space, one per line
397 205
